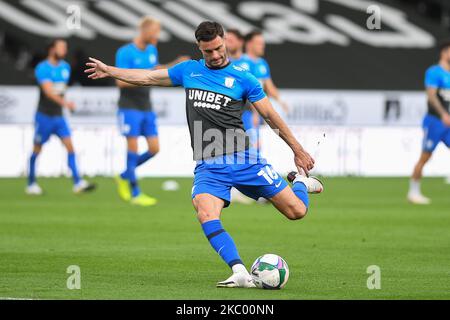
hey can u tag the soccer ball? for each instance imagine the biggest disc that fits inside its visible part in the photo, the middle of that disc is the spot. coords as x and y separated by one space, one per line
270 272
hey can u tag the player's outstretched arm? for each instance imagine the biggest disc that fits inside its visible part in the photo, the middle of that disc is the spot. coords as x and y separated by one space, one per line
302 159
139 77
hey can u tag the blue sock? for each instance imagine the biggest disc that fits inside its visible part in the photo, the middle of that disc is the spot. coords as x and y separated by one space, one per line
73 167
144 157
130 173
301 192
32 169
221 241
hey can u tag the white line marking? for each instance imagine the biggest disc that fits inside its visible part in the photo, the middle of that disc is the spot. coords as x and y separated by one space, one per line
12 298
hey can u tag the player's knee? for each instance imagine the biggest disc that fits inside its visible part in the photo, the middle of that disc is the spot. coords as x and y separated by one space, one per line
70 149
37 148
296 211
153 149
132 144
205 211
204 215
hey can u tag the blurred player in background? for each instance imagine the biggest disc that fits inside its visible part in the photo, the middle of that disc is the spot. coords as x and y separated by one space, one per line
136 117
52 76
234 41
436 123
255 48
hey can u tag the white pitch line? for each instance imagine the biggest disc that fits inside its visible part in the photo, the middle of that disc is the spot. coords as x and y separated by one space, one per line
12 298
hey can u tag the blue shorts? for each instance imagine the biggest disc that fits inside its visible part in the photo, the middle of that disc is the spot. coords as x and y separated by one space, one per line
45 126
255 180
435 131
135 123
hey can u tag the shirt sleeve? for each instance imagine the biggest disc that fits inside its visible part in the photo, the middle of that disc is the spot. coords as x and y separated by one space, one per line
123 59
177 71
157 57
255 91
265 74
432 78
69 70
42 74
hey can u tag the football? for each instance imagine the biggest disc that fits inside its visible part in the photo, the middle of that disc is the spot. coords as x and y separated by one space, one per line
270 271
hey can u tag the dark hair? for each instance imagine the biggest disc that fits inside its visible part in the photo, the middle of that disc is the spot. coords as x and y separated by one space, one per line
444 44
237 33
208 30
52 42
249 36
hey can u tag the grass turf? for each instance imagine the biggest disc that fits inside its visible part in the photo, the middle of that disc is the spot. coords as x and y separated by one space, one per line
160 252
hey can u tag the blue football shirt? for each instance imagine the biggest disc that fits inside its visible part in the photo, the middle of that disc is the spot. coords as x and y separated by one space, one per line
439 78
214 104
258 67
131 57
59 76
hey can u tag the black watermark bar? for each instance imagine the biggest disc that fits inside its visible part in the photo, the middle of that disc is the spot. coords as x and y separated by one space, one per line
229 309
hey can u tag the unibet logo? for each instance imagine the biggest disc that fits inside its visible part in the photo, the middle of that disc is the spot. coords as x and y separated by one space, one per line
207 99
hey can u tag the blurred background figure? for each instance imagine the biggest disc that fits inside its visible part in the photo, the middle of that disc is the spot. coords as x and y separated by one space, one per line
436 124
255 48
136 116
52 76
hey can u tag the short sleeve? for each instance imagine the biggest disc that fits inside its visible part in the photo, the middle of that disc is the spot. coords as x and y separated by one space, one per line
157 57
42 73
255 91
123 58
432 78
265 70
68 69
177 71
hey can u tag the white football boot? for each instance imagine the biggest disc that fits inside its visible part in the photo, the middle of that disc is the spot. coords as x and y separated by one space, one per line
418 198
239 279
83 186
447 180
313 184
34 189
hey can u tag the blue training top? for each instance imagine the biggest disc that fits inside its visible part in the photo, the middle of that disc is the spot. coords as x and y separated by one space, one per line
439 78
59 76
131 57
215 98
258 67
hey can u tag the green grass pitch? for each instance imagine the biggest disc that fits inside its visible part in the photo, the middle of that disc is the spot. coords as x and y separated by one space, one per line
160 252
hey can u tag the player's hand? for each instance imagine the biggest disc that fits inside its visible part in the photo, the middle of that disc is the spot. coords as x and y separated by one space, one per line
303 161
70 106
446 119
97 69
